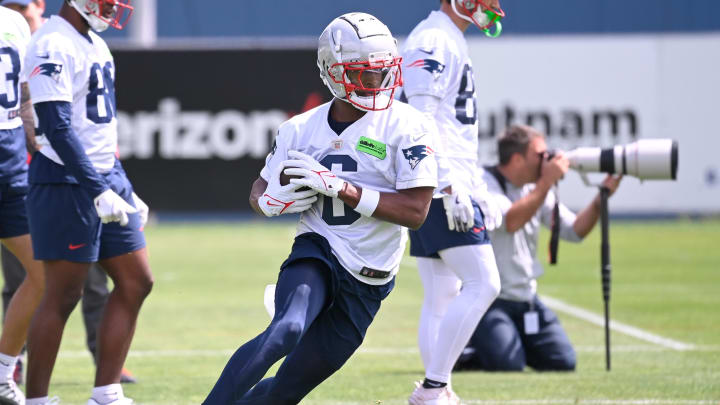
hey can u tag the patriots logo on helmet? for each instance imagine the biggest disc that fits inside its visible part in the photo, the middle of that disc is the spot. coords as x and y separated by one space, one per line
431 65
51 70
415 154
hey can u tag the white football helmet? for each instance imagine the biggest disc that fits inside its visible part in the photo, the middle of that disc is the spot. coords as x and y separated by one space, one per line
101 14
478 12
359 62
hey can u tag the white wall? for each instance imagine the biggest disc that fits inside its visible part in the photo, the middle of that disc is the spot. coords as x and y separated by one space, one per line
670 84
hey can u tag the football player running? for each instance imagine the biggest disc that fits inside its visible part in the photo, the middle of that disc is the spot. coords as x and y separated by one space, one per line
370 168
16 122
81 206
452 247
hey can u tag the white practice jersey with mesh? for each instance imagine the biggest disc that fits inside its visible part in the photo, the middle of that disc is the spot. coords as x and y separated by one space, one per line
64 65
403 159
436 63
14 37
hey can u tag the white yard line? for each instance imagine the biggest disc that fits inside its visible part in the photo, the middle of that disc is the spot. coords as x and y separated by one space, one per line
398 351
616 326
559 401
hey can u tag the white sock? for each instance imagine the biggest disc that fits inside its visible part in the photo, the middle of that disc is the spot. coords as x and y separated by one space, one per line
7 366
475 266
37 401
107 393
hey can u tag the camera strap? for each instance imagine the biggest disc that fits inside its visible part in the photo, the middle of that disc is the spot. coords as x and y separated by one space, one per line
555 223
498 176
555 230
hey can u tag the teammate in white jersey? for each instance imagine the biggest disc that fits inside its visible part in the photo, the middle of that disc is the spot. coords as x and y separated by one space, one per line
16 123
370 168
81 206
452 247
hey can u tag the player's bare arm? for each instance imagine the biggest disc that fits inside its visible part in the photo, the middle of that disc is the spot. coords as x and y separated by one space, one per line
26 114
407 207
257 190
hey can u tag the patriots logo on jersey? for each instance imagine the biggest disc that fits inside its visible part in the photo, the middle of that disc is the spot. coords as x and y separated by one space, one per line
415 154
51 70
431 65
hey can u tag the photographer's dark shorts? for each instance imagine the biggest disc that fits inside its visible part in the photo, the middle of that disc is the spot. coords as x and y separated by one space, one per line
434 235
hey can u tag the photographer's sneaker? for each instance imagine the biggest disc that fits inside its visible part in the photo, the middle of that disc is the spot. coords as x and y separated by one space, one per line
10 394
126 377
429 396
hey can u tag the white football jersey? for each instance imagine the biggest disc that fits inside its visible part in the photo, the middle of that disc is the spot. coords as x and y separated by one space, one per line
384 150
436 63
14 38
64 65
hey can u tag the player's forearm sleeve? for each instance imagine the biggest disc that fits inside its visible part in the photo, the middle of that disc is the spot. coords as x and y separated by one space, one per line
55 123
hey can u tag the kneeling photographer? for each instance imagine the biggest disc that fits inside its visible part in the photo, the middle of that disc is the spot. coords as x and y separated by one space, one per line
518 329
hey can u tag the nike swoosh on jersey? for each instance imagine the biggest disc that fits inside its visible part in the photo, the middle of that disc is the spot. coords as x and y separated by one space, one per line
46 56
76 247
416 138
429 52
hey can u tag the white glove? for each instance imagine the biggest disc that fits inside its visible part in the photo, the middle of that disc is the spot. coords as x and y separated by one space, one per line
459 211
278 200
111 207
142 208
314 175
492 214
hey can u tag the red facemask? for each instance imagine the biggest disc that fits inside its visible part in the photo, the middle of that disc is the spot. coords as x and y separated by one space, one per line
118 18
369 86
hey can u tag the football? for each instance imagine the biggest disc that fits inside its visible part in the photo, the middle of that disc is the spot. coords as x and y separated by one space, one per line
285 179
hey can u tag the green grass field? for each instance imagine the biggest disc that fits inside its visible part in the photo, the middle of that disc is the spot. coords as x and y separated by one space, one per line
208 294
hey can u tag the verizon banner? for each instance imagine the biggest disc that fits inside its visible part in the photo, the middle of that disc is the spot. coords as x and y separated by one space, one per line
607 90
195 126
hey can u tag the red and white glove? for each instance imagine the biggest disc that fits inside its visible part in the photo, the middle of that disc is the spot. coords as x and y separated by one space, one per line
278 200
314 175
459 210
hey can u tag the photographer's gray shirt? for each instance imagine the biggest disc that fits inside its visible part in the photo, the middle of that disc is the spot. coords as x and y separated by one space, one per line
516 253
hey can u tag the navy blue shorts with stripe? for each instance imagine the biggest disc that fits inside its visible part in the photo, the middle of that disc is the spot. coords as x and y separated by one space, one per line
65 226
13 217
434 235
352 304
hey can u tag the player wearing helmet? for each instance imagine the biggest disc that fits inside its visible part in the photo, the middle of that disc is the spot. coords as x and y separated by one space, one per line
370 167
455 259
15 124
81 206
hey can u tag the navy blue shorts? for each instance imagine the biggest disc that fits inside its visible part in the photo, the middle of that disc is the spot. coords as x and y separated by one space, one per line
65 226
352 304
434 235
13 217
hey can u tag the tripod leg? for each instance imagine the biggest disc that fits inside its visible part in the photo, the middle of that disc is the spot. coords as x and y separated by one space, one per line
605 270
